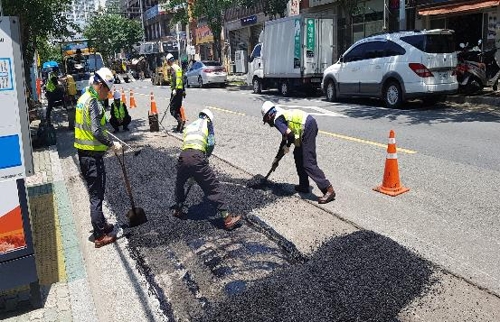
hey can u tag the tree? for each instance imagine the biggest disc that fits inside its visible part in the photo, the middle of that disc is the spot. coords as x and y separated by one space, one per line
110 33
49 51
39 20
349 7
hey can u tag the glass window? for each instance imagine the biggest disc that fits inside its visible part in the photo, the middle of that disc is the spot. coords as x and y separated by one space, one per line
432 43
393 49
211 63
256 51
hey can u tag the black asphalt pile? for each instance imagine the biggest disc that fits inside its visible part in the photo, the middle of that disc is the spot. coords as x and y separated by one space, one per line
359 277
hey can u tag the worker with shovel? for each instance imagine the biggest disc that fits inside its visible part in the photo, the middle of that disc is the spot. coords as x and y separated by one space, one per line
92 142
301 129
198 144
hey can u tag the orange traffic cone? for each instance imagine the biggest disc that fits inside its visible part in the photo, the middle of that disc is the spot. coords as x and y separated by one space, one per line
391 185
132 100
183 114
110 94
124 98
153 110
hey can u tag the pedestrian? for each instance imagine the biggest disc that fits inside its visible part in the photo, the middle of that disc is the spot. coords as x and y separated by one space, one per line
198 144
299 128
119 114
177 86
92 142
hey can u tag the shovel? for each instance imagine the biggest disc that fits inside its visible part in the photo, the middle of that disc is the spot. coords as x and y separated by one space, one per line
136 216
258 181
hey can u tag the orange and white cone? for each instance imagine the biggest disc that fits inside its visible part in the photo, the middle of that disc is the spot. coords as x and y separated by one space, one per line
124 98
132 100
153 109
391 185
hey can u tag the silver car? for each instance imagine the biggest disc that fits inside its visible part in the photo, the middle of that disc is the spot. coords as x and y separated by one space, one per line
206 72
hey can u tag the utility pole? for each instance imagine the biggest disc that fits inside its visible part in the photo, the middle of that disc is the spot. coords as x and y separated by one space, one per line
402 15
384 28
142 21
1 9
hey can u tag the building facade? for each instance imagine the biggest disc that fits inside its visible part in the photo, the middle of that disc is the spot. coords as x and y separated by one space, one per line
81 11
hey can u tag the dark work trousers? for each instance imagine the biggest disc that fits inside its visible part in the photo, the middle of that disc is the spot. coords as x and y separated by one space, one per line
115 124
194 163
94 173
306 160
175 105
52 98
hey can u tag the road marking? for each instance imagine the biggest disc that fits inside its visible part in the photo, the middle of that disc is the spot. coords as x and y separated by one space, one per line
315 108
350 138
225 110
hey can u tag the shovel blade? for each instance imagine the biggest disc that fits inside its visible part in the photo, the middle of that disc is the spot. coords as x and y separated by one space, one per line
257 182
136 217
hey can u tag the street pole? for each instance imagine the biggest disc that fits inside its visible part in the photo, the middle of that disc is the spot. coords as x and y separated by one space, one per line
402 15
142 21
384 28
1 9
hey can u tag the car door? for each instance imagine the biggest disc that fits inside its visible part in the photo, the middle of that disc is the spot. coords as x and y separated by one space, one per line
374 67
193 75
350 72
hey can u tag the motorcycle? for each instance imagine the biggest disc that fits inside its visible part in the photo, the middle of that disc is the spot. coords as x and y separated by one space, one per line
491 59
470 70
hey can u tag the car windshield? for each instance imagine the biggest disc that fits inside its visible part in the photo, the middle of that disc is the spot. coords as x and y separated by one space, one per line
432 43
212 63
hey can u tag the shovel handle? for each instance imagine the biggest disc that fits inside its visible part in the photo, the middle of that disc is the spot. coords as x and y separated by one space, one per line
125 177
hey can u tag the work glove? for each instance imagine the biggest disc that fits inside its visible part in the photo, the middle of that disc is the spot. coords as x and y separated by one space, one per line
285 149
290 138
117 147
174 92
191 181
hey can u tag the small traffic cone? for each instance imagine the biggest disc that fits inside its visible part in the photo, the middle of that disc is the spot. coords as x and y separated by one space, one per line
153 109
132 100
183 114
124 98
110 93
391 185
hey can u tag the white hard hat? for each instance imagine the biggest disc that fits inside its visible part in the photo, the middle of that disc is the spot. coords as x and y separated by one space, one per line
208 113
116 95
266 107
170 57
106 76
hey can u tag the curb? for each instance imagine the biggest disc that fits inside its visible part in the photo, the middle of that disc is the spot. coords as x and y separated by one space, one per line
483 100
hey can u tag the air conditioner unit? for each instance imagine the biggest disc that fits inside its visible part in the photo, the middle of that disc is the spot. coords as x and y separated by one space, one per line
241 61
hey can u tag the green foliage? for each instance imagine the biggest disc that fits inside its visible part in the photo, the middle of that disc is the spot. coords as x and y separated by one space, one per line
48 51
111 32
275 8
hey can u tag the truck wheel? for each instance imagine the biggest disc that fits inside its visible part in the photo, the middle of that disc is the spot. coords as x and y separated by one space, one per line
393 96
284 90
331 92
257 85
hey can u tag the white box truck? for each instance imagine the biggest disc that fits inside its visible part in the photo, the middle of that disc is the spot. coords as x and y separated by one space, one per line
292 53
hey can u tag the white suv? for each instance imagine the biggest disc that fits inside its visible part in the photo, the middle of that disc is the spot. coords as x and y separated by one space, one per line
396 67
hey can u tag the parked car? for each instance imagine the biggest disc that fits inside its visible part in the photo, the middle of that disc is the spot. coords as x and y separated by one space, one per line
206 72
396 67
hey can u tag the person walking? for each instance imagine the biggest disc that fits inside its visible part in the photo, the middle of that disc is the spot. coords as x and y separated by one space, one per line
92 142
119 114
299 128
177 86
198 144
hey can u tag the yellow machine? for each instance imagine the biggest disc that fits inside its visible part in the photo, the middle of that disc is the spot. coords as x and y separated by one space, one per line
160 72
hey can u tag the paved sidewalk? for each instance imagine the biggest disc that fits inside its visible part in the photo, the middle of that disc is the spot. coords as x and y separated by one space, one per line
63 279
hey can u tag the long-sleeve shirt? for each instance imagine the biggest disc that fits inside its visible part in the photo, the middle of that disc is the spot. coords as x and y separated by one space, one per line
210 139
96 111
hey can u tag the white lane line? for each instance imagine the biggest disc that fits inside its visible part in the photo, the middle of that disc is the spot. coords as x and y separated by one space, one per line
322 111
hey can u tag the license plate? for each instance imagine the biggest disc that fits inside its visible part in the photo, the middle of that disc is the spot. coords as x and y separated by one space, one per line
315 80
443 75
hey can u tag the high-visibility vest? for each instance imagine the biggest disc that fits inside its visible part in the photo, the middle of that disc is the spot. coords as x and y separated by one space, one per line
179 84
196 136
296 120
119 111
71 85
84 138
50 87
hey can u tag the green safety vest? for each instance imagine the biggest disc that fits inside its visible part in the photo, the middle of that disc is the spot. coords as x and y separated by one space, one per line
119 111
296 120
178 78
84 138
196 136
50 85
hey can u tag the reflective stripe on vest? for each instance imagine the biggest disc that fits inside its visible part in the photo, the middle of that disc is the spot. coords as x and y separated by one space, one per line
119 112
196 136
84 138
178 78
296 120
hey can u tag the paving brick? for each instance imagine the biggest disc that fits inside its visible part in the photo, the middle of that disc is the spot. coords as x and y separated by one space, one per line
37 314
50 315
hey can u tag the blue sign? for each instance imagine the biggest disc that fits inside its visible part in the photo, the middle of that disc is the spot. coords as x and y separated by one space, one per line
11 151
151 12
249 20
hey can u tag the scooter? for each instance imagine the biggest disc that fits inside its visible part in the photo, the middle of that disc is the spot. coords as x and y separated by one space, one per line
470 70
491 59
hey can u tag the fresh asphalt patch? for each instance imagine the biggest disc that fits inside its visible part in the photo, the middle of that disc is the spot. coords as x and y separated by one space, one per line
200 272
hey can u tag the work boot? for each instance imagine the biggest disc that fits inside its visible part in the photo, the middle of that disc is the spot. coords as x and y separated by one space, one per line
328 196
104 240
108 228
230 222
182 126
302 189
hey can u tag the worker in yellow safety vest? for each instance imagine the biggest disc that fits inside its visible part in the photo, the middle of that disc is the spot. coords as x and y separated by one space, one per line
178 92
119 113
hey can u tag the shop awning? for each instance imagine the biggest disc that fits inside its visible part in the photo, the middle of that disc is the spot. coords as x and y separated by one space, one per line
458 8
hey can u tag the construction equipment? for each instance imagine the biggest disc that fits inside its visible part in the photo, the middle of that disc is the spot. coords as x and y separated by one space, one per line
136 152
260 182
136 216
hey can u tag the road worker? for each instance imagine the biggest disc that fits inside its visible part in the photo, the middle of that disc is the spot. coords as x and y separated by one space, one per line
299 128
119 114
177 86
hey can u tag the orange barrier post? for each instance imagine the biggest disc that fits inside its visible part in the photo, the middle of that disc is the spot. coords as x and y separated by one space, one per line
132 100
39 89
153 110
124 98
183 114
391 185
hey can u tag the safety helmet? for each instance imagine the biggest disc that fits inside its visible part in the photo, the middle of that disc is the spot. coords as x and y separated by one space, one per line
266 107
104 75
170 57
116 95
208 113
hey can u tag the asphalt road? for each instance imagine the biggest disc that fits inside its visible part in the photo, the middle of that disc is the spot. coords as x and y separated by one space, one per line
449 217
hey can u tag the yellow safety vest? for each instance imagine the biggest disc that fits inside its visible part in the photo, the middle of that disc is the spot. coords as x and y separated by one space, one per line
50 85
71 85
296 120
119 111
178 78
84 138
196 136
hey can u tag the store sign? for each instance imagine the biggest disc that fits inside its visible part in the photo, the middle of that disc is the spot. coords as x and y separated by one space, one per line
293 7
311 34
249 20
204 35
11 220
151 13
296 52
315 3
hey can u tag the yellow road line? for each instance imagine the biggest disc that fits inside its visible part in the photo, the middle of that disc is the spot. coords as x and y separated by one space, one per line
224 110
350 138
